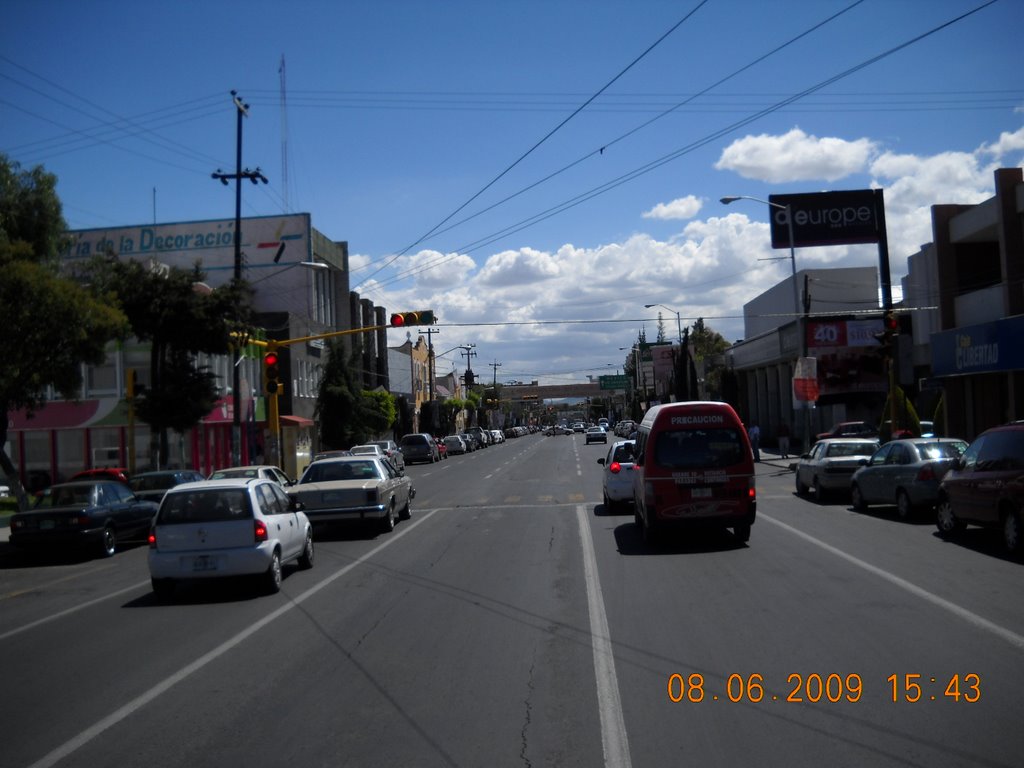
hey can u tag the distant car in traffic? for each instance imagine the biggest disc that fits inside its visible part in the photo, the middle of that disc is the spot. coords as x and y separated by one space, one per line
84 513
596 435
228 527
151 486
392 451
830 464
455 445
906 473
103 473
850 429
419 446
261 471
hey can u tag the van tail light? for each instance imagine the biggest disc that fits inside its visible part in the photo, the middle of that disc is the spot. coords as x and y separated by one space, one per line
615 467
926 473
751 490
261 531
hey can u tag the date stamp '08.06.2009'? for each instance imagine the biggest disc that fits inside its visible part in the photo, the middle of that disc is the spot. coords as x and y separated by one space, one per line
910 687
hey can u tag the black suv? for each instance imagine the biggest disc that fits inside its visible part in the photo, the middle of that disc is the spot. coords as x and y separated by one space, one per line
986 486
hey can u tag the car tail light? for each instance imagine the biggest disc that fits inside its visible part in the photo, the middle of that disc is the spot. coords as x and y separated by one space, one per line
926 473
261 531
615 467
151 539
751 490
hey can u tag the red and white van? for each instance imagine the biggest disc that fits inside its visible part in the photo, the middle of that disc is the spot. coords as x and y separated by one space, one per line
693 467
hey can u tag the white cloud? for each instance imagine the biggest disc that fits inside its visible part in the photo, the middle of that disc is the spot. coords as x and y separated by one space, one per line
795 156
681 208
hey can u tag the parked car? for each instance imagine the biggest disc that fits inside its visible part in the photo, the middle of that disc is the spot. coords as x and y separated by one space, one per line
330 455
905 473
831 463
471 441
362 488
120 474
227 527
419 446
850 429
596 435
261 471
455 444
986 487
497 436
617 476
83 513
392 451
151 486
483 437
442 449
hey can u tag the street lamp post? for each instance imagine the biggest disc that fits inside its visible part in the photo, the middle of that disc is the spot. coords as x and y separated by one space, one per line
796 291
679 324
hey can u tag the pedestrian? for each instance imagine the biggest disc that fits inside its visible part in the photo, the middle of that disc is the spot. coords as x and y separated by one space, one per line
754 433
783 435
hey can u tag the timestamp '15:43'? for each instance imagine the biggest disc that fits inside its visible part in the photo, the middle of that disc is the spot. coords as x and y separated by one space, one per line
914 687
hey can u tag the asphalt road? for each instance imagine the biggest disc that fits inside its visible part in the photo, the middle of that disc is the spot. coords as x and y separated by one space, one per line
511 622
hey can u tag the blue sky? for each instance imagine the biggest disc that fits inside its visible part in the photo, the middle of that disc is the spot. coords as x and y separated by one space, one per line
398 114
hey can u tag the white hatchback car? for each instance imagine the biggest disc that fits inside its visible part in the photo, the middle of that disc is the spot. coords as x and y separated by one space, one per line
617 477
230 527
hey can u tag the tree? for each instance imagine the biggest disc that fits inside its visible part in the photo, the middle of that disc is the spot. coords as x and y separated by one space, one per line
347 414
179 316
55 325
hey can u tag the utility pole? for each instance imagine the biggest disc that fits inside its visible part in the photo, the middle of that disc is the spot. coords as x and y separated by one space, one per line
495 365
253 176
430 359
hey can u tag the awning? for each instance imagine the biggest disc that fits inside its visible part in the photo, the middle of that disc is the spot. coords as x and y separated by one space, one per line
295 421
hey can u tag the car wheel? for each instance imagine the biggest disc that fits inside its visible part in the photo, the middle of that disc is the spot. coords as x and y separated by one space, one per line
857 498
163 589
306 558
108 541
947 522
801 489
387 523
406 512
272 577
1011 532
741 533
903 506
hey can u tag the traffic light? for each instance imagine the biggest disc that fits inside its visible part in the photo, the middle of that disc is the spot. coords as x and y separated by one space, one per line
272 373
470 378
419 317
890 329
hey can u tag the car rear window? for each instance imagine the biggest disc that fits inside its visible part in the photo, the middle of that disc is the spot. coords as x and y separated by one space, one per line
942 450
623 453
330 471
850 449
204 506
1002 451
690 448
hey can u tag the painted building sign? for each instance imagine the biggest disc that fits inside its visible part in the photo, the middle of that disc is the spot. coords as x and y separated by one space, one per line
984 348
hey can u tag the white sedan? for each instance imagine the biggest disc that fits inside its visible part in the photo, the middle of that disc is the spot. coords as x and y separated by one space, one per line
231 527
363 488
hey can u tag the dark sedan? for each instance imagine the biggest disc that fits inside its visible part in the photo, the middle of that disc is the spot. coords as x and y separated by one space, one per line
96 513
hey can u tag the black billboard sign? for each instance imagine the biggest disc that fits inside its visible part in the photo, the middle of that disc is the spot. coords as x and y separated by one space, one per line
828 218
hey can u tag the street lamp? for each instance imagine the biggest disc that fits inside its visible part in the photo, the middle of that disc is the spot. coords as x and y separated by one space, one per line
679 326
796 292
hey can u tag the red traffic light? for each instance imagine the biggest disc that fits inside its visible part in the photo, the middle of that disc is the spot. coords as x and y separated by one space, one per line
270 359
419 317
891 322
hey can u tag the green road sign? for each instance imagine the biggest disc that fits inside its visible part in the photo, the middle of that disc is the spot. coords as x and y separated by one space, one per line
613 382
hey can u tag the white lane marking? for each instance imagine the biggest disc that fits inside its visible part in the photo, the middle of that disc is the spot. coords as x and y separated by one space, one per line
613 728
165 685
972 618
74 609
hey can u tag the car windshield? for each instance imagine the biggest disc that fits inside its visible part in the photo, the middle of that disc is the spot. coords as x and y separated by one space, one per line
839 450
222 474
207 505
332 471
699 448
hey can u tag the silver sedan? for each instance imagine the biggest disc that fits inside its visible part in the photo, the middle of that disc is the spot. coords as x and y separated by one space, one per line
906 473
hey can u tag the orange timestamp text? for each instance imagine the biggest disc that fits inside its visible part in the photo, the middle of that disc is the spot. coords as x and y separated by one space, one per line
815 688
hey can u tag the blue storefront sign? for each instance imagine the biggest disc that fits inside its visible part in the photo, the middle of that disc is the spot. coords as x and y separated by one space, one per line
984 348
